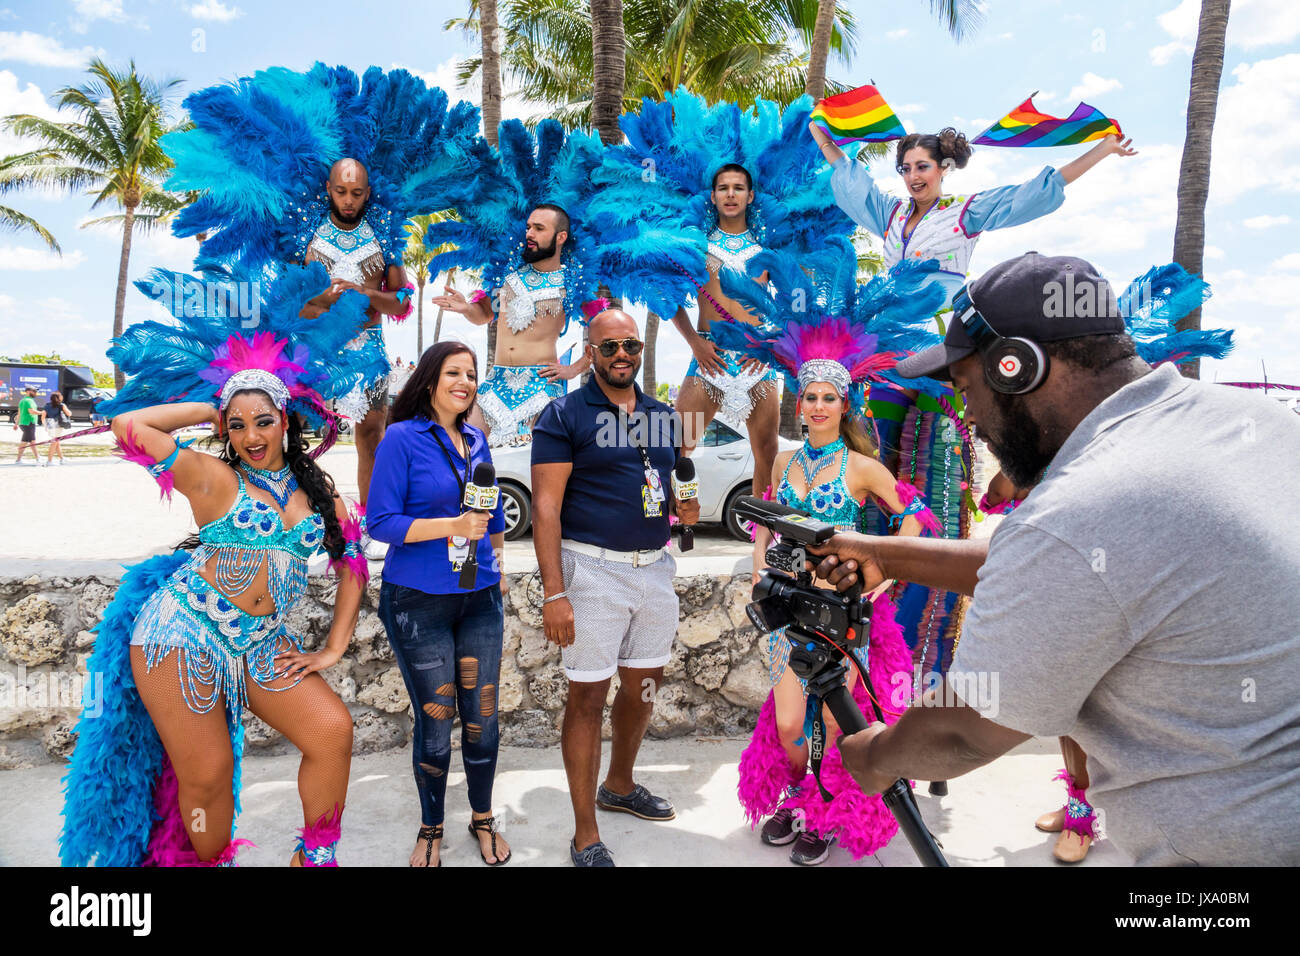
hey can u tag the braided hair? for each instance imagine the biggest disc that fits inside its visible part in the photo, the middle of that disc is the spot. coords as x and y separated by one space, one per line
312 479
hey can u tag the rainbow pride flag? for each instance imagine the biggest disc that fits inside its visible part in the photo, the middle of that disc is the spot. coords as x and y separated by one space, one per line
860 115
1026 126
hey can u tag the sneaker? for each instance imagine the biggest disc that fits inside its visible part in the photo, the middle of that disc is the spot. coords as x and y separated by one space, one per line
372 549
595 855
779 830
810 849
640 803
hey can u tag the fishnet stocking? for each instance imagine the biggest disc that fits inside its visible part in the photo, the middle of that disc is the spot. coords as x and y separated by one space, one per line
318 724
199 748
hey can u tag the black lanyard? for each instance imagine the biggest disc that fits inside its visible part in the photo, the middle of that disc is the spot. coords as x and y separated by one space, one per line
462 482
627 432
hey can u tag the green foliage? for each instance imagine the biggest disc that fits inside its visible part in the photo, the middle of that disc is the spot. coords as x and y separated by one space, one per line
734 50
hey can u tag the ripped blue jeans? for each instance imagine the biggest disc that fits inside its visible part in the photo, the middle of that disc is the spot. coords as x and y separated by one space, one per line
448 647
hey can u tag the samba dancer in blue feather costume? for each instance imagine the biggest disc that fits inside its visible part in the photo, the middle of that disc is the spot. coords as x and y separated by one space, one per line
524 234
699 190
193 638
336 167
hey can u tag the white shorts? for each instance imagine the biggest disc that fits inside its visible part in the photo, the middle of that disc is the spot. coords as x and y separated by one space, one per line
623 616
54 431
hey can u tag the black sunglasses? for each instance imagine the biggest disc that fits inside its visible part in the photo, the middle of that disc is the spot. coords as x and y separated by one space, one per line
609 348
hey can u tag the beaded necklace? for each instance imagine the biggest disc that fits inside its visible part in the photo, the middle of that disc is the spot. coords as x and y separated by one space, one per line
813 460
281 484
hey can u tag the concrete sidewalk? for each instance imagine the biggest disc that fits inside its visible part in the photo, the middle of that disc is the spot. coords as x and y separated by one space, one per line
987 819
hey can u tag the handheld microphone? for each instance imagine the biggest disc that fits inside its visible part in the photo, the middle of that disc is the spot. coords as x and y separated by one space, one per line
685 487
481 495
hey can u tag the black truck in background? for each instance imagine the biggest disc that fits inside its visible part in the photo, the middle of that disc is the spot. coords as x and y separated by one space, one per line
76 382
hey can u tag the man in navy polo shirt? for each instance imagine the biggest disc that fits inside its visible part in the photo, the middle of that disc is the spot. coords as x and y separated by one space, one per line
602 476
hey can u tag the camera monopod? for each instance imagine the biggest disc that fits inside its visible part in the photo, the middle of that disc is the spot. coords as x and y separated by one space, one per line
823 628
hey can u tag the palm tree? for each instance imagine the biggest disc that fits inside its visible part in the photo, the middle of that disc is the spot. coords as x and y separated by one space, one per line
608 67
734 50
11 220
415 258
110 148
1194 172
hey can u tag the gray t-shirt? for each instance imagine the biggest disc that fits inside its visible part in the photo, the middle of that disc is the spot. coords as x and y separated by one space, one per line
1145 600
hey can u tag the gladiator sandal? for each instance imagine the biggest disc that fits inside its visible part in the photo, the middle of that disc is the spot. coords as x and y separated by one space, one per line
317 843
1078 823
488 825
430 833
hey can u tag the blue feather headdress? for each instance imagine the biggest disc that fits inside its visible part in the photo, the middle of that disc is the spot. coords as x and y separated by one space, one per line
1153 304
230 322
829 318
530 167
652 212
261 149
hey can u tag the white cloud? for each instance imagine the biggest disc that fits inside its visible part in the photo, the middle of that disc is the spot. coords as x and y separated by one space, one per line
897 34
1006 36
27 259
1256 23
214 10
1265 222
15 99
1288 263
1092 85
87 12
910 108
1252 24
40 50
1257 130
1214 252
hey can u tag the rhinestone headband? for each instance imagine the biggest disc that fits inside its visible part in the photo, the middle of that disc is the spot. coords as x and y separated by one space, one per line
825 370
259 379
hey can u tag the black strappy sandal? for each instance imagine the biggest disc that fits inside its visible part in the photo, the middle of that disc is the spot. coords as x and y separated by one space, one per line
431 833
490 825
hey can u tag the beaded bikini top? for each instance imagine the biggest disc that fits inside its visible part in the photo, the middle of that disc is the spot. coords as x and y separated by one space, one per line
253 531
830 501
529 288
732 251
350 254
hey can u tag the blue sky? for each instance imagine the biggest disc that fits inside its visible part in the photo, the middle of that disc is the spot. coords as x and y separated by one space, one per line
1130 59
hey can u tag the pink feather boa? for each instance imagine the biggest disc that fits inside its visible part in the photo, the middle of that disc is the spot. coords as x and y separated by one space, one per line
862 823
410 301
909 493
325 832
169 842
128 448
356 563
1079 816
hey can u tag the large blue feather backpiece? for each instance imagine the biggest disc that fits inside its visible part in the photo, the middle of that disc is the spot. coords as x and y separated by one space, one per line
529 167
216 311
1153 304
261 148
651 209
891 315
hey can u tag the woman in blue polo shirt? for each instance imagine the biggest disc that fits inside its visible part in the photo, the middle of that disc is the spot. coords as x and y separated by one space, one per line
447 639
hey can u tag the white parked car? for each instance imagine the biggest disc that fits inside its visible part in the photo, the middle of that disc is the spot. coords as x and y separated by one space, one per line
724 466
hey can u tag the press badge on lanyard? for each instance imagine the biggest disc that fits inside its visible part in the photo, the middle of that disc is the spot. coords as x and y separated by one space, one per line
457 547
652 491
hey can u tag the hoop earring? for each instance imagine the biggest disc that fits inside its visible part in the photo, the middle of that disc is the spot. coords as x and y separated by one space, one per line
284 441
230 451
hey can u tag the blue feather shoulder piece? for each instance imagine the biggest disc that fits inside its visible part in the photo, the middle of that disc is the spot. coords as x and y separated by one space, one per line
261 148
1152 306
529 167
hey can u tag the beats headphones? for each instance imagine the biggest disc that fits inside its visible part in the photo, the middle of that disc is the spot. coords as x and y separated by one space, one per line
1012 366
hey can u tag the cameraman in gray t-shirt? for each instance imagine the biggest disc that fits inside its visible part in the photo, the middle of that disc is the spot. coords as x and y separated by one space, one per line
1145 597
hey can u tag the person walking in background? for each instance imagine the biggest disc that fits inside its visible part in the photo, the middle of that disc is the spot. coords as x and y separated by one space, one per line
602 461
28 417
58 419
447 639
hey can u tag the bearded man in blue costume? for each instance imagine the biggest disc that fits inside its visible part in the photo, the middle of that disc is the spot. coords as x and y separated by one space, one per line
358 260
526 373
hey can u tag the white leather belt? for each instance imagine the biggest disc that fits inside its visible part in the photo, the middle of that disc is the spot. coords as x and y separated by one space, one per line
638 559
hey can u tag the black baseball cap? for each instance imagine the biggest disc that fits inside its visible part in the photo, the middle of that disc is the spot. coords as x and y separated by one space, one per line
1036 297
